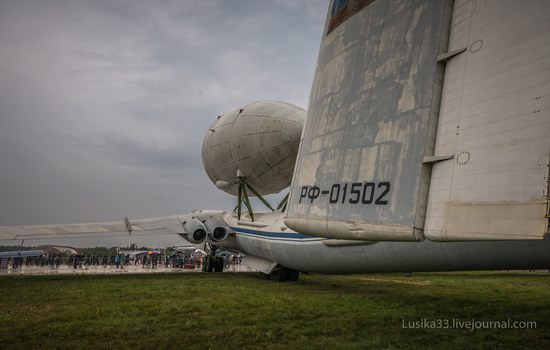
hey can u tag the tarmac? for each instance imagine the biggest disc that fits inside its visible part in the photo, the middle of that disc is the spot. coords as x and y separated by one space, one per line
133 269
109 269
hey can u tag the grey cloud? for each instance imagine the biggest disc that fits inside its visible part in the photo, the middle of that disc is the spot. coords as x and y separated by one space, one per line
121 150
104 104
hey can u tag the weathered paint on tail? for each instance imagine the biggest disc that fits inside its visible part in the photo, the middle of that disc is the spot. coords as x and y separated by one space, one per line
372 119
427 119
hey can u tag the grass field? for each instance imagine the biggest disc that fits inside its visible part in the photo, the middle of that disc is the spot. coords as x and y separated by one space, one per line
241 311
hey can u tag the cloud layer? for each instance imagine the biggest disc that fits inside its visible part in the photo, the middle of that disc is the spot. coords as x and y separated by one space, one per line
104 104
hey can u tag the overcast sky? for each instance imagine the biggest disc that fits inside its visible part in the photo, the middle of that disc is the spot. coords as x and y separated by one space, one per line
104 104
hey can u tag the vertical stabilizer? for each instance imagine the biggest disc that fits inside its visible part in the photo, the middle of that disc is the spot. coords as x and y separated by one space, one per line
371 121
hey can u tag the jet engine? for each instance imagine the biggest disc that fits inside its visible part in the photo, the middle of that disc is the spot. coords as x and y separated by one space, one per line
258 142
195 231
217 229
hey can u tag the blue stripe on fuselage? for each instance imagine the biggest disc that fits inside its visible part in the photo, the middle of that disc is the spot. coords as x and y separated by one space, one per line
267 234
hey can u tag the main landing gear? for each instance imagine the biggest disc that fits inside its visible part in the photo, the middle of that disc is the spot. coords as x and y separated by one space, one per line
282 274
212 263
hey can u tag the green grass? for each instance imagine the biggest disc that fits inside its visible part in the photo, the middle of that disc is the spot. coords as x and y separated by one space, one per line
241 311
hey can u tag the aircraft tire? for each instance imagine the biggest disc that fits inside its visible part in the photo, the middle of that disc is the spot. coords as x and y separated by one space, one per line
293 275
208 264
279 275
218 264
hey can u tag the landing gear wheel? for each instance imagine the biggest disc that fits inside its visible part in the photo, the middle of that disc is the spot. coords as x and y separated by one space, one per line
292 275
264 276
279 275
218 264
208 264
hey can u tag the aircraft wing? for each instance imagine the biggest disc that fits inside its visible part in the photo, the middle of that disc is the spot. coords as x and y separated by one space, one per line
194 227
126 227
21 254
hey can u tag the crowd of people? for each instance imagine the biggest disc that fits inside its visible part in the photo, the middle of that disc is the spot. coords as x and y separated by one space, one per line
119 261
53 261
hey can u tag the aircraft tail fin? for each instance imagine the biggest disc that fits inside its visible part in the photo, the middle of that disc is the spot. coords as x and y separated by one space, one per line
425 123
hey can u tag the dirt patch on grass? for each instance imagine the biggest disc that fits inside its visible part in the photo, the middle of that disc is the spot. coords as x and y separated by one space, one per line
385 280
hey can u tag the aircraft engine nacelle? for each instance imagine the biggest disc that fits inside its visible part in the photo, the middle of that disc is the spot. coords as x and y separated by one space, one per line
217 229
195 231
260 141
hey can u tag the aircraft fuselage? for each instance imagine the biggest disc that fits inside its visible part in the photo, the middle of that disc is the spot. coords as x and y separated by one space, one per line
320 255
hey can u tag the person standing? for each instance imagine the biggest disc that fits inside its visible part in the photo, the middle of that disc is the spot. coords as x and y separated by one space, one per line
117 261
144 261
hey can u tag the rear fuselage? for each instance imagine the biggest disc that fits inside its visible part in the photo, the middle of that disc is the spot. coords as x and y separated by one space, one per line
320 255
